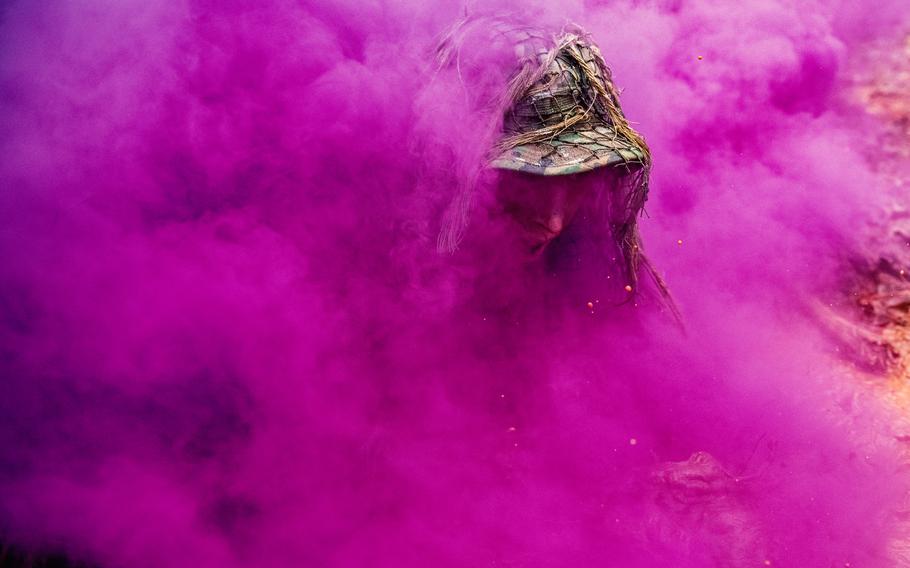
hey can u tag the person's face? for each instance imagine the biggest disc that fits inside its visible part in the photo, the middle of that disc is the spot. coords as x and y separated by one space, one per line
542 206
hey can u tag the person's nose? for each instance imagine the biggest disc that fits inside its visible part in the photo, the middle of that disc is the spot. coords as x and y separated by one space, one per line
556 222
556 211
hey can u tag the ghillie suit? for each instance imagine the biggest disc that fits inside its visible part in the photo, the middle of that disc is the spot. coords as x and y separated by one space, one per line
559 114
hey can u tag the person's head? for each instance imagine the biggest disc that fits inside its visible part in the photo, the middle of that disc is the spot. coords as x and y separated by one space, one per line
563 135
563 157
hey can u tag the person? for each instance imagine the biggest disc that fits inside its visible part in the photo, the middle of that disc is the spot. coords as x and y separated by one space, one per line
567 172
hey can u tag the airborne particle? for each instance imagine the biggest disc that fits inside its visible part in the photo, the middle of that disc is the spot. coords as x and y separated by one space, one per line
628 288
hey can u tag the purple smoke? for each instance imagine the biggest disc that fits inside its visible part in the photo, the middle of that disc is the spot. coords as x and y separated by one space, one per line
228 339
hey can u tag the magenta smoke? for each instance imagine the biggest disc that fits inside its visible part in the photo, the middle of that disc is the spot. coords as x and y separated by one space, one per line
227 338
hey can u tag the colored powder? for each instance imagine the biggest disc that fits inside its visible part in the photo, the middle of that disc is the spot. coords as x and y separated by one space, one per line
227 339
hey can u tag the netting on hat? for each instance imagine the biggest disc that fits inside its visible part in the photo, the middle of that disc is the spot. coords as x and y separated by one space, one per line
592 100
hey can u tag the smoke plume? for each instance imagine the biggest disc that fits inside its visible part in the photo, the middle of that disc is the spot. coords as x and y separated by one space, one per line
227 339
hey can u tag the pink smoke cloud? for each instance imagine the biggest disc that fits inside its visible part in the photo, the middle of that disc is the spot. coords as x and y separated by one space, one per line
228 340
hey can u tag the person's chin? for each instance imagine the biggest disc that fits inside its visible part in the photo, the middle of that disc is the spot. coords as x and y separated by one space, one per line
537 247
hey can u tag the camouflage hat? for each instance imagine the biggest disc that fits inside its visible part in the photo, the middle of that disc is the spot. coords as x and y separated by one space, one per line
564 115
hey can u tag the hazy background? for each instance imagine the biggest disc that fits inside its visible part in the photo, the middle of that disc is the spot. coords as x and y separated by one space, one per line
226 338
